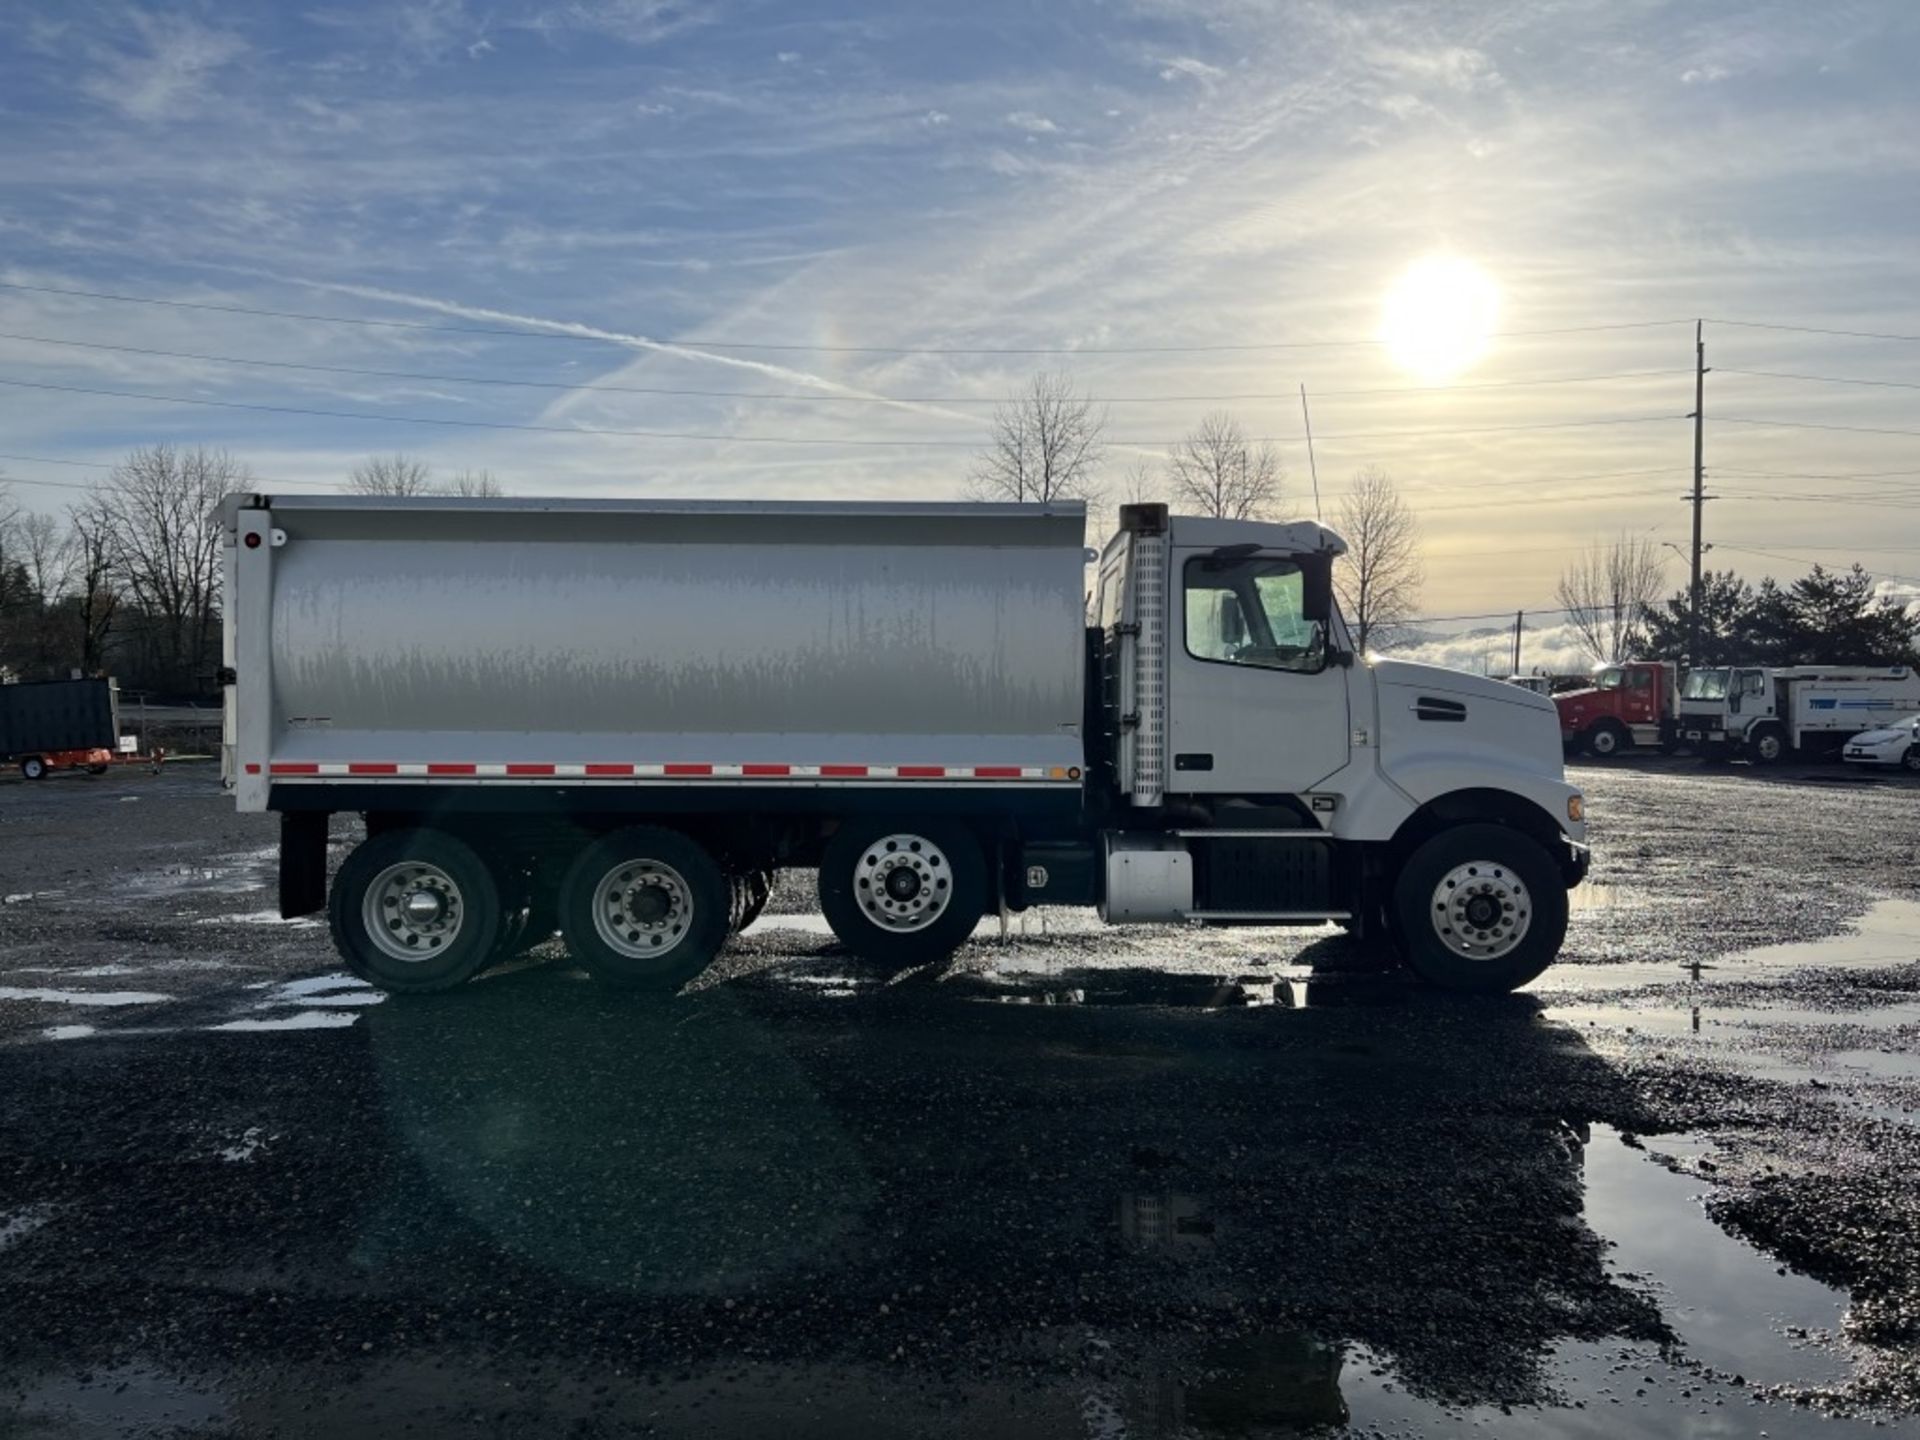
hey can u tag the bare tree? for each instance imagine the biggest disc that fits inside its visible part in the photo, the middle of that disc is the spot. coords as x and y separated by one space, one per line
1141 485
1379 579
1046 446
390 475
1218 470
1608 593
479 484
159 507
90 578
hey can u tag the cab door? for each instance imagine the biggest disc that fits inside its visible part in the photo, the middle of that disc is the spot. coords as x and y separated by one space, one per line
1256 704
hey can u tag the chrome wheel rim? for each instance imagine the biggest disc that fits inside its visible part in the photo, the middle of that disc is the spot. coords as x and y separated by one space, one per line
413 911
642 909
1481 910
1604 743
1767 747
903 882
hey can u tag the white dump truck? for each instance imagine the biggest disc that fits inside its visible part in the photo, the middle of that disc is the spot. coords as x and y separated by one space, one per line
1769 712
621 717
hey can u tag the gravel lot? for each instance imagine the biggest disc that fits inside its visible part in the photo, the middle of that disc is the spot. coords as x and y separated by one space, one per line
1079 1182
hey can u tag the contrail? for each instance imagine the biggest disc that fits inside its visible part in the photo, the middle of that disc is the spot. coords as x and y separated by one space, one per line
635 342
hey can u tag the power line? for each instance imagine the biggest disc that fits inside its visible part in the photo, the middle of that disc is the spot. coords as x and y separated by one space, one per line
1813 330
1814 425
761 439
789 347
1809 560
1811 475
1821 379
804 396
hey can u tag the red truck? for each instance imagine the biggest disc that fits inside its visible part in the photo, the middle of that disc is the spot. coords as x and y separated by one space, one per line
1633 703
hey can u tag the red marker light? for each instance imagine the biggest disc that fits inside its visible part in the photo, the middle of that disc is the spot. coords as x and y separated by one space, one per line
253 539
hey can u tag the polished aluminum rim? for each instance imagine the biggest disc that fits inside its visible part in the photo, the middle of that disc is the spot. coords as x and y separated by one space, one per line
904 882
1481 910
413 911
642 909
1768 746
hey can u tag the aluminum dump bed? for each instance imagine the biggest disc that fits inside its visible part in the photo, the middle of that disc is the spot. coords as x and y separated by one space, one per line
469 641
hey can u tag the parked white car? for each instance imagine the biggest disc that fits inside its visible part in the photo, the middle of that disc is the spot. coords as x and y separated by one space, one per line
1895 744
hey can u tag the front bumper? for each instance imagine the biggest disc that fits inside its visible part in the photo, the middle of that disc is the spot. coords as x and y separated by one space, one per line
1576 862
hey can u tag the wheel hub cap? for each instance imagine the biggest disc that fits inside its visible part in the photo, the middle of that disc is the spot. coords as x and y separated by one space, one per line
903 882
642 909
1481 910
413 911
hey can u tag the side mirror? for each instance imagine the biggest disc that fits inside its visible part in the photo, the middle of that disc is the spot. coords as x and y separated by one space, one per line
1316 597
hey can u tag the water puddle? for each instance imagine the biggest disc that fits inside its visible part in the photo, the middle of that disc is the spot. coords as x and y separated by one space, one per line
262 917
1728 1303
126 1400
83 997
299 1020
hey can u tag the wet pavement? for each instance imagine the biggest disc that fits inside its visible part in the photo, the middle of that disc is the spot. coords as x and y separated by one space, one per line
1078 1182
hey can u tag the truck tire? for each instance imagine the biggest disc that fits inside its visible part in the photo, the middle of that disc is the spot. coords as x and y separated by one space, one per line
751 892
1479 908
414 910
33 768
1767 744
902 893
1607 740
645 909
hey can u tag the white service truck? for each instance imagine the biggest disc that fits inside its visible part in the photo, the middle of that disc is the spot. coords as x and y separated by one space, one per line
621 717
1768 712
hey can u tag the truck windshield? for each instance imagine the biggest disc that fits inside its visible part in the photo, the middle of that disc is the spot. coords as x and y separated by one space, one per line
1705 685
1251 612
1608 679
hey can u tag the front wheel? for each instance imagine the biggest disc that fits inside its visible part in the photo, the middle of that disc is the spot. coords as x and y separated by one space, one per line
1766 745
905 893
645 909
1911 760
414 910
33 768
1480 908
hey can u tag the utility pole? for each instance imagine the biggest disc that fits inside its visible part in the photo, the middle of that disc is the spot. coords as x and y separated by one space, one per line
1519 619
1699 496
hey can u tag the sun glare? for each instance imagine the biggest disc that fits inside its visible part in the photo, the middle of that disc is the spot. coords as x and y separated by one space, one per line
1439 316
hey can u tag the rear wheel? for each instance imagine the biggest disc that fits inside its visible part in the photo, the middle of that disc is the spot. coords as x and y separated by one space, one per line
33 768
903 893
750 894
414 911
645 909
1479 908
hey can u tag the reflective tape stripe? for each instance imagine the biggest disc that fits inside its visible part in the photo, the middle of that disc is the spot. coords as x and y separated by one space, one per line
640 770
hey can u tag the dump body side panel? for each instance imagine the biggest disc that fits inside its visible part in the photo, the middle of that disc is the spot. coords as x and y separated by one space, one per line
502 642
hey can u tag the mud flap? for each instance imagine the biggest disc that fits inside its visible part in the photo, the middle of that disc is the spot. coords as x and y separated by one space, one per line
303 863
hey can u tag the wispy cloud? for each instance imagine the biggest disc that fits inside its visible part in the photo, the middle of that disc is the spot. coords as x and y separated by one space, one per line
167 69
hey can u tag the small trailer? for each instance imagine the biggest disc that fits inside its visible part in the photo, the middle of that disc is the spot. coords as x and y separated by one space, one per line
59 725
1769 712
626 715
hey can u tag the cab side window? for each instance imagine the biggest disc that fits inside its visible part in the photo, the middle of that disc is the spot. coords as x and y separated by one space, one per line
1251 611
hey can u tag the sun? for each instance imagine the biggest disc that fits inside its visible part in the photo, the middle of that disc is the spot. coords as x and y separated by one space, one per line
1439 316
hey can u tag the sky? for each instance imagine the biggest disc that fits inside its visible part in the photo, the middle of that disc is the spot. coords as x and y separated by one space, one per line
1201 203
